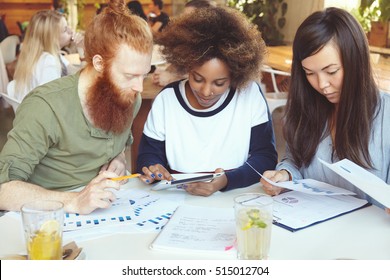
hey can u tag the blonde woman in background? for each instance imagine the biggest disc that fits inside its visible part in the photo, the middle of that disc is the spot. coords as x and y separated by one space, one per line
40 61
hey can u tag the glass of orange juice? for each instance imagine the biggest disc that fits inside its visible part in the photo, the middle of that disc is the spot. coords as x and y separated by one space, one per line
42 224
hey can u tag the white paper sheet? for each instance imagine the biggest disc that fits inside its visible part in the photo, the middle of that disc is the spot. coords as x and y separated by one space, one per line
362 179
198 229
310 186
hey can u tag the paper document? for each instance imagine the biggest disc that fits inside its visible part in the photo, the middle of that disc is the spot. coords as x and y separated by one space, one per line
202 229
362 179
296 210
141 209
310 186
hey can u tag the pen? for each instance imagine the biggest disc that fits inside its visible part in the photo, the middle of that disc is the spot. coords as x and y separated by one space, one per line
125 177
254 169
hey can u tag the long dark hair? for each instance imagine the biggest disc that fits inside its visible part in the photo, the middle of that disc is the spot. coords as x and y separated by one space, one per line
308 111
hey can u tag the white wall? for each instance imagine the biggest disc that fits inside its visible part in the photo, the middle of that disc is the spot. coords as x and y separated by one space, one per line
344 4
297 11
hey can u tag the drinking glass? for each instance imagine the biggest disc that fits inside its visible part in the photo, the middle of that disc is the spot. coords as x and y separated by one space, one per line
42 223
253 215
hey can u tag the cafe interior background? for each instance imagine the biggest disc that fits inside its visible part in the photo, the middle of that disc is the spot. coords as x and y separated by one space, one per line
81 11
284 18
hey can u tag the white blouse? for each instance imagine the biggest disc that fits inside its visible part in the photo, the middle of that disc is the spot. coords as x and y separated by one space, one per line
48 68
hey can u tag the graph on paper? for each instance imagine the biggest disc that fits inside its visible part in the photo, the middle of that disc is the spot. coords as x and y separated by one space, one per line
136 208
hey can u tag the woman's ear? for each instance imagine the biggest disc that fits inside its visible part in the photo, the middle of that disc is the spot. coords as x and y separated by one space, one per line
97 62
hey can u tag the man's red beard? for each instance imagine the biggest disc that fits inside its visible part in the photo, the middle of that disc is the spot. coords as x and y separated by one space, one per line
109 108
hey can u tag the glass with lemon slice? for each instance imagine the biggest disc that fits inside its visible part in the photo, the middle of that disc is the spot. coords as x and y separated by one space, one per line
42 223
253 214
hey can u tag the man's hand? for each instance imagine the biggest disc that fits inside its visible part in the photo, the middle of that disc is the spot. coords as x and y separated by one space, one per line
95 195
117 165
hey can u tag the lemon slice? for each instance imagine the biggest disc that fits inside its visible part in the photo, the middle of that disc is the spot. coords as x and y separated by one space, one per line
50 227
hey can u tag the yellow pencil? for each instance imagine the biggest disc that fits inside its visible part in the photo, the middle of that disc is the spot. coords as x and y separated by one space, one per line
125 177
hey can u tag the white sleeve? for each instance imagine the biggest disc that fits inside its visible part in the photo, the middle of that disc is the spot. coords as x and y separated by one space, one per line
48 69
258 105
155 123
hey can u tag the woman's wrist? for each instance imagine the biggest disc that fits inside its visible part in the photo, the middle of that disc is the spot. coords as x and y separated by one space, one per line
287 174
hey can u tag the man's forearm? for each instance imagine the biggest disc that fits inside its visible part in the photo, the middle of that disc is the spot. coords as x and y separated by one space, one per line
14 194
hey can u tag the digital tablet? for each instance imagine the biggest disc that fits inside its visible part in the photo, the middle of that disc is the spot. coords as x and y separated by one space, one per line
163 185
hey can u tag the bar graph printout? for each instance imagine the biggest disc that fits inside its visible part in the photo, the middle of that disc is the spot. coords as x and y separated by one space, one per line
296 210
137 208
310 186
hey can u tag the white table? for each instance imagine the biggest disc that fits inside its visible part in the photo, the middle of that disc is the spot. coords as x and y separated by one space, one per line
363 234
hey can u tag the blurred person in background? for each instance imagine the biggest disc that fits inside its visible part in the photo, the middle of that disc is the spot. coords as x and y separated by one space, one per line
39 60
136 8
157 18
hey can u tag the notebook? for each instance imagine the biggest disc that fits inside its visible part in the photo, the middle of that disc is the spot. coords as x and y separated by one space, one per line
195 228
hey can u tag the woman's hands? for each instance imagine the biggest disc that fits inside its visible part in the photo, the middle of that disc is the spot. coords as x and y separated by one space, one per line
155 172
208 188
78 39
274 176
159 172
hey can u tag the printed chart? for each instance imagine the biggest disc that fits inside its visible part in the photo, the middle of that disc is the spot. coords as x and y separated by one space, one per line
140 209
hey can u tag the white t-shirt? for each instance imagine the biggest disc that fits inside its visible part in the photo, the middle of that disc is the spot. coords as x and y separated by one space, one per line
201 140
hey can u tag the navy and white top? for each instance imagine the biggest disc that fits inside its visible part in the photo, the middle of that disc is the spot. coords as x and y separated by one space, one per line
236 129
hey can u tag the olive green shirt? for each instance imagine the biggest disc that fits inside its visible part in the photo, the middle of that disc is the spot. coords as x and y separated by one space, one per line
52 144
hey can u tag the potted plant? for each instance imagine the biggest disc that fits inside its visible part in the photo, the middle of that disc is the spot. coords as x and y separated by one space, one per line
268 15
374 16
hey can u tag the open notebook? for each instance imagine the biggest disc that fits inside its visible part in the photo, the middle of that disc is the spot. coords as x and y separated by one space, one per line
202 229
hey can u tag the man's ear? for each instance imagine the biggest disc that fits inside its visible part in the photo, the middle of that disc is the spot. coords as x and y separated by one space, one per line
97 62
